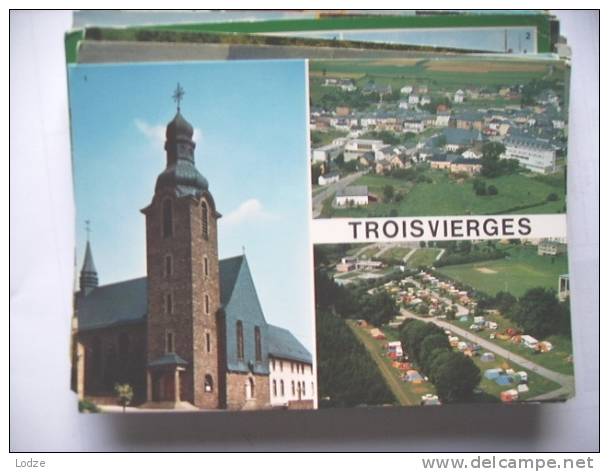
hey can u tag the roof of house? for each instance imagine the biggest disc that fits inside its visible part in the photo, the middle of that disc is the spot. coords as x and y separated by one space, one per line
353 191
168 359
282 343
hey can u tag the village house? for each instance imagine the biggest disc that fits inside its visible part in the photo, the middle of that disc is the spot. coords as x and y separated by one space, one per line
459 96
551 247
354 195
406 90
328 178
442 119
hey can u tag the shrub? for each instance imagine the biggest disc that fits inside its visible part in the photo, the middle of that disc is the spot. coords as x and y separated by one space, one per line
492 190
87 406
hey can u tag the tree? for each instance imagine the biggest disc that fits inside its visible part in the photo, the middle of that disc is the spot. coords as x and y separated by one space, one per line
388 192
552 197
537 312
315 173
455 376
490 159
429 346
414 332
124 392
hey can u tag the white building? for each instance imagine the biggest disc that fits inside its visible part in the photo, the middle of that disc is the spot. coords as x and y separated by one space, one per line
406 90
291 377
533 154
442 119
355 148
329 178
326 153
459 96
413 99
355 195
413 125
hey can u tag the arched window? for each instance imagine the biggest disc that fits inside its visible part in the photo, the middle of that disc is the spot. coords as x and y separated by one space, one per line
209 383
282 387
123 347
168 304
167 218
240 348
258 340
168 266
169 342
274 388
204 219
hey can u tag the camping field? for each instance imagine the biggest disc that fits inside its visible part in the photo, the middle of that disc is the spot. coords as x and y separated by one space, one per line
522 270
517 194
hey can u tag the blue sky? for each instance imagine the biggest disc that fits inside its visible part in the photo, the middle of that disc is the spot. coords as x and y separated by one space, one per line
251 132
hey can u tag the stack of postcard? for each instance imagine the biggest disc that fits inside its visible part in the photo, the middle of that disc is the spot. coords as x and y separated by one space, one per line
313 209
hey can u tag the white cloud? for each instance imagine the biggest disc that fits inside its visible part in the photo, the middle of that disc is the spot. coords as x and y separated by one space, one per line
156 133
250 210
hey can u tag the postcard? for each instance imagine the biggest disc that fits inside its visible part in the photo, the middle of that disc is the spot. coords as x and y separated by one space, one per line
192 210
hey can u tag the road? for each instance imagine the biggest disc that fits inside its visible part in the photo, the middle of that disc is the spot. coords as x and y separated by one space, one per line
331 189
566 382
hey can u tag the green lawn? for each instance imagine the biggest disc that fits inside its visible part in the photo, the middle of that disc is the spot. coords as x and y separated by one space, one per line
522 270
423 257
321 138
557 359
517 194
396 254
537 383
405 392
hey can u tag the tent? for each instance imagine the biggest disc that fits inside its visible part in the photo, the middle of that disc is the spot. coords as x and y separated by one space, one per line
492 374
487 357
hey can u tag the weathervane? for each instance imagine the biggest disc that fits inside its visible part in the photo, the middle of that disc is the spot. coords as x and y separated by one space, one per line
178 94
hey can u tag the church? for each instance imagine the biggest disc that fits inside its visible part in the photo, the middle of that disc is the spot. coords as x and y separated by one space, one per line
192 333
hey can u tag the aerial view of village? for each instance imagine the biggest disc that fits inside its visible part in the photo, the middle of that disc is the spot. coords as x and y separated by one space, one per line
438 136
443 322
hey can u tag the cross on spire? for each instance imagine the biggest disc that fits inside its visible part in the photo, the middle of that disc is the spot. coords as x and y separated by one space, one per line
88 228
178 94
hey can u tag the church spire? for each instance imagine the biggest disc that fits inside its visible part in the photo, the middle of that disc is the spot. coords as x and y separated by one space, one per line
88 273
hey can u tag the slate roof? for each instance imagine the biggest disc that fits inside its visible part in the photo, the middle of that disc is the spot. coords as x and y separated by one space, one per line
88 265
283 344
115 304
353 191
168 359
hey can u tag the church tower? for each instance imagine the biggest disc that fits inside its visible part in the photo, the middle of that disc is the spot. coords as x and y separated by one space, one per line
88 274
183 279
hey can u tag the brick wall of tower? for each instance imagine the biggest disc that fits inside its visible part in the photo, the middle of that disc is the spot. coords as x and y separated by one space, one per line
236 391
188 286
205 318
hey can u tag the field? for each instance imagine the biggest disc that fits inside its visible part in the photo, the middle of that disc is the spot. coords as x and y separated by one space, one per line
522 270
423 257
517 194
405 392
441 73
397 254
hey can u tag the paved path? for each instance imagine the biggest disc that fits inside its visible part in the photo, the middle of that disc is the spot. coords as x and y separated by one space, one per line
442 251
331 189
566 382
